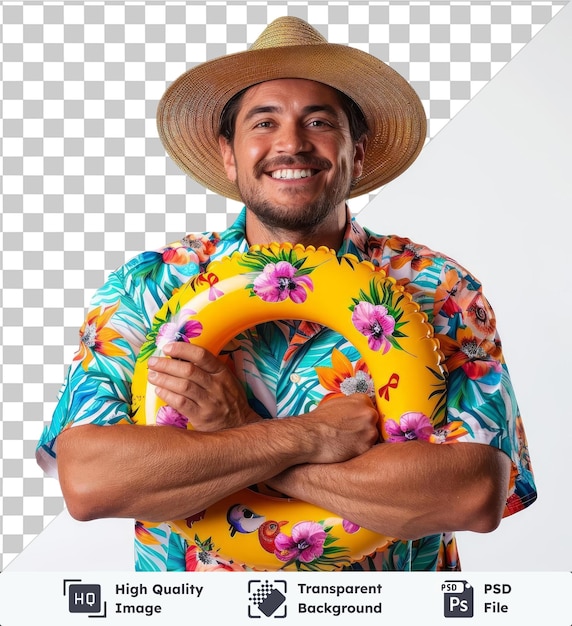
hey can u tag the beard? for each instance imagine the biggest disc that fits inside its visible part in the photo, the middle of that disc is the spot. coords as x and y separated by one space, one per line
286 216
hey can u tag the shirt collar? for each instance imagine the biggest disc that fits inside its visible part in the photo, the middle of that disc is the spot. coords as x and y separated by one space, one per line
354 241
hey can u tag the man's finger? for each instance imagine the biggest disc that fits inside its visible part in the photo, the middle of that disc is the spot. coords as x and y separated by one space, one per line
194 354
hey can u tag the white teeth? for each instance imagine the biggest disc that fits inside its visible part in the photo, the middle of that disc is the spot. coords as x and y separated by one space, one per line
291 173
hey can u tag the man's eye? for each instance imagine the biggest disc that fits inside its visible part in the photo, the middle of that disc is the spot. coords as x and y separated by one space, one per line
263 125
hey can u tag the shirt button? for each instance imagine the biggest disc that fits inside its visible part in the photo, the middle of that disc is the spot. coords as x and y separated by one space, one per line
294 378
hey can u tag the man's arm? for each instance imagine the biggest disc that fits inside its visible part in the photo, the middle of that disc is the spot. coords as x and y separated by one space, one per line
158 473
404 490
410 489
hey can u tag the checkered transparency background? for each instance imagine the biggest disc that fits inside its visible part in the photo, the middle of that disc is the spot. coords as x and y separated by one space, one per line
86 184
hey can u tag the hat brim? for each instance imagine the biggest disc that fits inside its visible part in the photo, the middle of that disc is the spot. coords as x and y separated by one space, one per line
188 114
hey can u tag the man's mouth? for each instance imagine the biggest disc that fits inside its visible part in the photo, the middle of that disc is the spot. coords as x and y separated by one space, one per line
288 174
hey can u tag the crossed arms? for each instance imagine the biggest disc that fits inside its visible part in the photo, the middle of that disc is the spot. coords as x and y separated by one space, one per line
330 457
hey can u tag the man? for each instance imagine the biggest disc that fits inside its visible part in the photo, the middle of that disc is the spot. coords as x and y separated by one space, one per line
293 127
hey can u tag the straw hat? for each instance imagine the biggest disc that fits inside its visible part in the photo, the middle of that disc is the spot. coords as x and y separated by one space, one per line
189 112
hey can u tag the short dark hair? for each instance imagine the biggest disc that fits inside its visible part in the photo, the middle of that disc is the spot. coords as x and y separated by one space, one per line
356 118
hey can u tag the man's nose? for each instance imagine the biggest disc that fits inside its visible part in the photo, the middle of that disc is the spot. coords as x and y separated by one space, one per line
292 138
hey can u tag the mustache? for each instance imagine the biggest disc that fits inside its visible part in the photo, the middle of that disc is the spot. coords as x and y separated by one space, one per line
314 163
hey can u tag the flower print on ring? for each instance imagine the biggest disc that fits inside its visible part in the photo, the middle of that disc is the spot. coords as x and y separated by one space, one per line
411 426
377 315
343 379
279 281
306 543
278 276
184 330
375 322
203 557
310 545
168 416
415 425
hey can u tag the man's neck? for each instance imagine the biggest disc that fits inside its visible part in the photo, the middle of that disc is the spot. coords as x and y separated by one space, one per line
329 234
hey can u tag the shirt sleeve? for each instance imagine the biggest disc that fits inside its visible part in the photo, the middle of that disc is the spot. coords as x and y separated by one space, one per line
97 388
97 385
481 398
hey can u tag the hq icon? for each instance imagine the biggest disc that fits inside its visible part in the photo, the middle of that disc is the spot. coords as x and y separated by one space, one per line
84 598
457 598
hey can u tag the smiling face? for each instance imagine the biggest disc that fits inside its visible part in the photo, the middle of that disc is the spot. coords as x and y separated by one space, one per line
293 160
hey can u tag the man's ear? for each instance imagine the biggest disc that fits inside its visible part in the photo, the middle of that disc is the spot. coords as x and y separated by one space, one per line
359 156
227 158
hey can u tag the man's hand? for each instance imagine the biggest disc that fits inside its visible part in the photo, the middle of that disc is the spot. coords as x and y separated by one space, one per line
347 427
195 383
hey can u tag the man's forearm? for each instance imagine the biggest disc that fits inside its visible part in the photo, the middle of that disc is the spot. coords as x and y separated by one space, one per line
409 490
157 473
160 473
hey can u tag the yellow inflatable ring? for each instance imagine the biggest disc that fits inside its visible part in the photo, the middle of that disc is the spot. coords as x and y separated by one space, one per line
280 281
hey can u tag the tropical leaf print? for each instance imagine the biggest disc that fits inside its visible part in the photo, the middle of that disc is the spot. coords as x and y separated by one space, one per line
257 260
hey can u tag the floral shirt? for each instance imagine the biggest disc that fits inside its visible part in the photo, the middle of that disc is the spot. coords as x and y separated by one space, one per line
287 367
